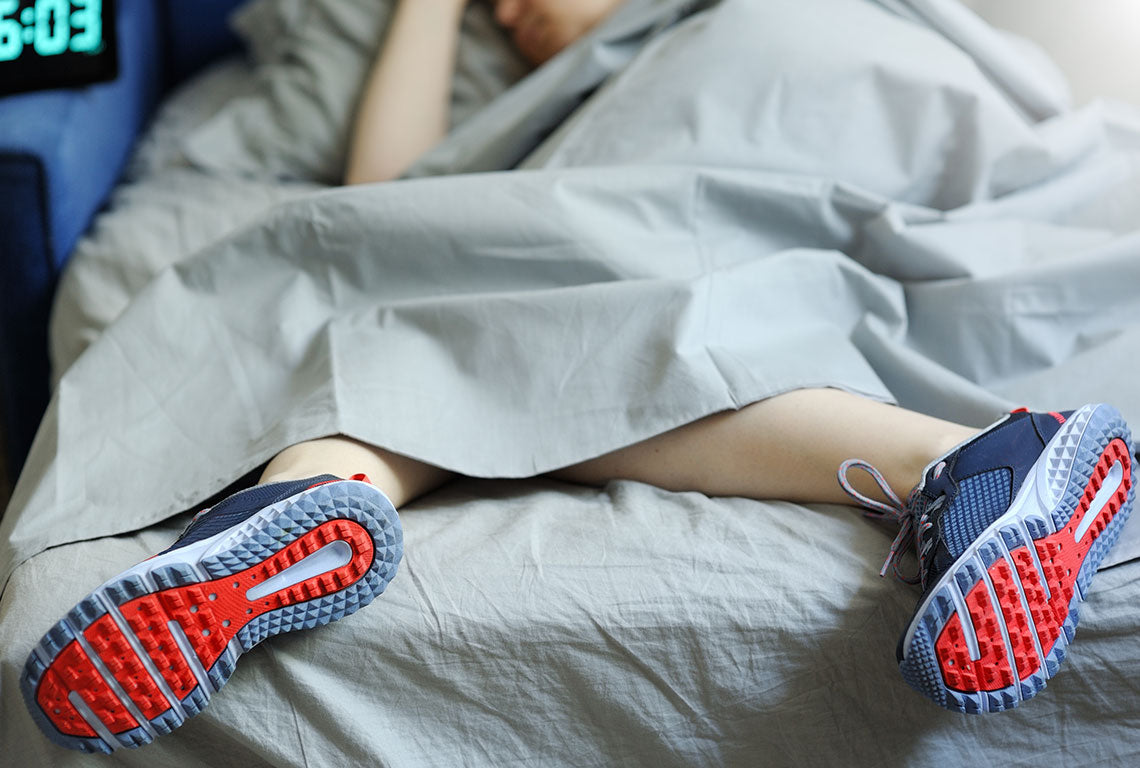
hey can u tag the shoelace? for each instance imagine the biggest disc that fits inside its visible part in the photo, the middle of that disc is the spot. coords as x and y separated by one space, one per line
913 524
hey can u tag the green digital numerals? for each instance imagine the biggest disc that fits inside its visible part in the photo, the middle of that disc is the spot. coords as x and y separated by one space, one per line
50 27
88 16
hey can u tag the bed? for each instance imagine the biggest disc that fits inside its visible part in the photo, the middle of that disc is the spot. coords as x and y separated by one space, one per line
709 203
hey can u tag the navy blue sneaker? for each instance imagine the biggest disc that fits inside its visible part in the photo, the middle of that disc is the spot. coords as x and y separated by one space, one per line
148 648
1009 528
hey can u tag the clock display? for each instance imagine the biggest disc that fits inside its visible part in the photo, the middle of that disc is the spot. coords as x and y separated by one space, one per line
54 43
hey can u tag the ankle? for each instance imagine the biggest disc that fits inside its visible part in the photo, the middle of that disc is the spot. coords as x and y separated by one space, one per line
947 440
940 443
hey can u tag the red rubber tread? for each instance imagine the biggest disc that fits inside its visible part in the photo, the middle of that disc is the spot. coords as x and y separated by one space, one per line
147 620
1044 620
212 612
1017 625
52 698
108 643
1061 557
73 671
991 671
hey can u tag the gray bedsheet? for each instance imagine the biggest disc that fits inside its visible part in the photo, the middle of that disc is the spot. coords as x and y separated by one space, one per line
756 202
535 623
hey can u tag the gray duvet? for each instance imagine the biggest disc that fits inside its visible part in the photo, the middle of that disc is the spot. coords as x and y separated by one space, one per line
759 196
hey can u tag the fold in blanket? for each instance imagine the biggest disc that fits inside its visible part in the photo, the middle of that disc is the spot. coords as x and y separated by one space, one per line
756 202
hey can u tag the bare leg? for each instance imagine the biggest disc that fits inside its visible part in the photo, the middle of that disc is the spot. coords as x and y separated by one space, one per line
402 479
787 447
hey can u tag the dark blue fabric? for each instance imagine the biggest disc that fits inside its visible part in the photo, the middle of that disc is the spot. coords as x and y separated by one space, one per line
1003 456
242 505
981 499
197 33
25 295
1047 425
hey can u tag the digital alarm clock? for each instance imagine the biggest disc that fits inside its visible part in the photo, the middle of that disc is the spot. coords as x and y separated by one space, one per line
56 43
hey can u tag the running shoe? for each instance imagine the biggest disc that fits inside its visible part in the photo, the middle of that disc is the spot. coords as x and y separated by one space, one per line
1009 529
147 649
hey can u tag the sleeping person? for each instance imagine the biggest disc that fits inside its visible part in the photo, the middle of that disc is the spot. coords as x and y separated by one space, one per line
1007 524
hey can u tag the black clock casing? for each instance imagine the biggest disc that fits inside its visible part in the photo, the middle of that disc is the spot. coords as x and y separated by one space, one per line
86 57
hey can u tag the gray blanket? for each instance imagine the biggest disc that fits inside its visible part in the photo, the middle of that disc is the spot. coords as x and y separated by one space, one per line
759 197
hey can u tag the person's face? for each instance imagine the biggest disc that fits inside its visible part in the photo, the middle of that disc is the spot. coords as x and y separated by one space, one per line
542 28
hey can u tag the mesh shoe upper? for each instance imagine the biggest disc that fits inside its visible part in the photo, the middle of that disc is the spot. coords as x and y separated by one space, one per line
963 492
973 485
242 505
1009 528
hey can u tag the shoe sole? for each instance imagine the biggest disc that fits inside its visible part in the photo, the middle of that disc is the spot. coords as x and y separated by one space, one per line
997 624
146 650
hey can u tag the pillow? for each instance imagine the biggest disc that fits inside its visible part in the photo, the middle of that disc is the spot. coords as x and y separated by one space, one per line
312 57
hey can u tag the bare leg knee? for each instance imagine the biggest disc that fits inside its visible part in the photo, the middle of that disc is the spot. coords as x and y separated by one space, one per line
401 478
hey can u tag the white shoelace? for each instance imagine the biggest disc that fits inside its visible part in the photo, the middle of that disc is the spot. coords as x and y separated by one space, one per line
913 523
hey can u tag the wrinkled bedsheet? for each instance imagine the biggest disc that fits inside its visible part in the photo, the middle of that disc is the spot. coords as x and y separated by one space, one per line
750 202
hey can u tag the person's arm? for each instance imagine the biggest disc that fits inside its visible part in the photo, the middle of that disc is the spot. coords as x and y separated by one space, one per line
403 109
